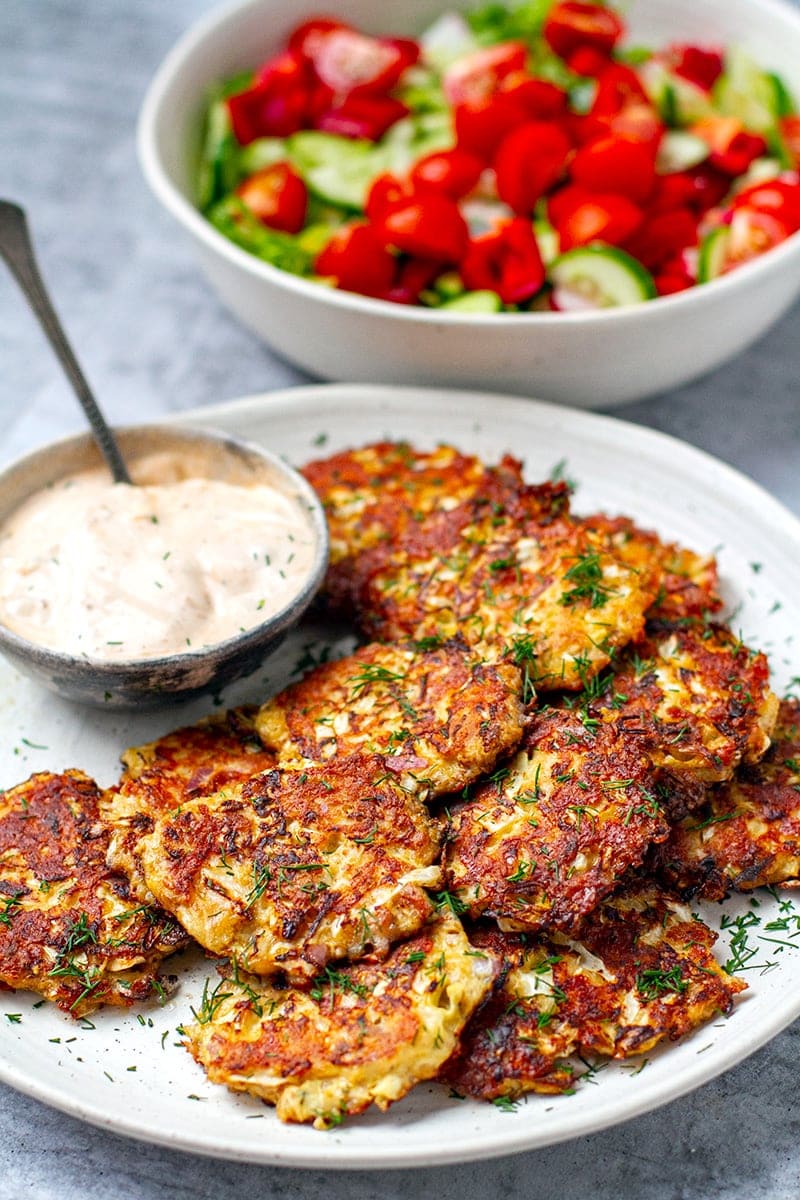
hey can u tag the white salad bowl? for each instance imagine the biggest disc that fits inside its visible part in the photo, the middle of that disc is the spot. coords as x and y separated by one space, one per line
594 359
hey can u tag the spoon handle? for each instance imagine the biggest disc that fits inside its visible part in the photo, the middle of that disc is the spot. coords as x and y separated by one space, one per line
17 250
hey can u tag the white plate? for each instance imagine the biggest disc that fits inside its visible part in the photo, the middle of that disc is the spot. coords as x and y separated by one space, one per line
128 1075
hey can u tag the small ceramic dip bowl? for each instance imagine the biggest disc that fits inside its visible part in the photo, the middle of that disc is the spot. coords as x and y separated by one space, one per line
148 682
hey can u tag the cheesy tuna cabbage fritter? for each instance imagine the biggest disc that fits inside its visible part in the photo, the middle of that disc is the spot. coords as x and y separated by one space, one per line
641 970
553 832
520 579
440 716
70 928
195 761
694 698
365 1034
294 869
748 833
372 494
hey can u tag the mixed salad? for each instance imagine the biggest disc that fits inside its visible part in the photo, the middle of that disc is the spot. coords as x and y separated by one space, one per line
512 158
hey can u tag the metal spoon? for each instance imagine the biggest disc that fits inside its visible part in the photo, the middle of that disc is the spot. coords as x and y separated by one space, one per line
17 250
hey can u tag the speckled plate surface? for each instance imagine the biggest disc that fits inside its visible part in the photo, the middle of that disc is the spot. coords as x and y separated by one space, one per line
127 1071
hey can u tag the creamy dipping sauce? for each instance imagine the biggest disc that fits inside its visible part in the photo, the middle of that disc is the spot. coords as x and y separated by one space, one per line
109 571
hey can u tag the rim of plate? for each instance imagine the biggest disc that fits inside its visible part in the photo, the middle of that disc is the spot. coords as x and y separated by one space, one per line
722 479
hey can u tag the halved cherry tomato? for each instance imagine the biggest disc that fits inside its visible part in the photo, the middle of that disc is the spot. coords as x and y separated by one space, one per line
597 218
663 236
732 148
359 262
481 125
427 226
277 196
668 284
640 122
476 75
617 88
701 67
573 24
790 132
616 164
506 261
361 116
452 172
529 161
753 232
774 196
348 61
261 111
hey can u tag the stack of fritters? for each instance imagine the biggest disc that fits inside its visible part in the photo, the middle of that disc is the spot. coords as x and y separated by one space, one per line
461 850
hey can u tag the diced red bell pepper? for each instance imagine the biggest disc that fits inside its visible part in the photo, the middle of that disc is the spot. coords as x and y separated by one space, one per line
261 111
529 162
616 164
427 226
481 125
699 66
710 186
360 116
452 172
668 284
358 261
541 100
640 122
352 62
306 38
597 218
572 24
732 147
476 76
413 277
387 192
660 238
506 261
672 191
588 61
617 87
277 196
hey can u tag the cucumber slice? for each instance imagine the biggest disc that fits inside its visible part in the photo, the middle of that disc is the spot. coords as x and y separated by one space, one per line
680 151
449 285
678 101
713 254
548 241
338 170
219 169
758 98
263 152
761 170
446 40
474 302
482 216
605 276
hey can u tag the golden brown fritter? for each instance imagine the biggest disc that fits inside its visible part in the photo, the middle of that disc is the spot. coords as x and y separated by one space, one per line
551 834
195 761
748 834
371 494
641 971
695 698
70 927
293 869
518 579
688 581
440 716
363 1035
